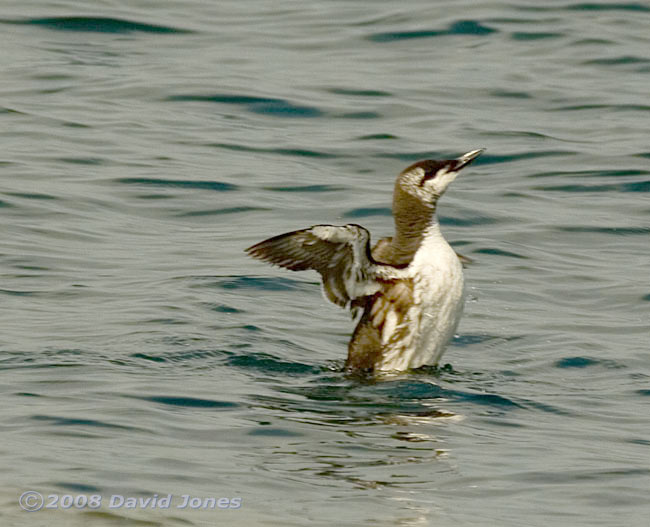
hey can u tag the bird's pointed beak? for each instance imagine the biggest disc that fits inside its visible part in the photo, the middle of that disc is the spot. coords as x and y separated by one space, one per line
467 158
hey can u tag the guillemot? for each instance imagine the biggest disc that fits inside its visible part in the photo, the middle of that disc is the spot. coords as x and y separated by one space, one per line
409 288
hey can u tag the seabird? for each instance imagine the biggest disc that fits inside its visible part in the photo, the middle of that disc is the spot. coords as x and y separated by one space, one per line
408 289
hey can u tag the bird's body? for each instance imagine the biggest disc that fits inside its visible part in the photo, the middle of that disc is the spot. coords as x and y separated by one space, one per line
409 288
410 320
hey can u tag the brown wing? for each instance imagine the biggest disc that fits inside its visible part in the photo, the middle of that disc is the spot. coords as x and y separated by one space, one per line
339 253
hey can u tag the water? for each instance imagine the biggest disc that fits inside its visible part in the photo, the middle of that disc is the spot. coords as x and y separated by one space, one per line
146 144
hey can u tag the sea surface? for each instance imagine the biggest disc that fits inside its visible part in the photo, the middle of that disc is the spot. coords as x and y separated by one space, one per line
145 144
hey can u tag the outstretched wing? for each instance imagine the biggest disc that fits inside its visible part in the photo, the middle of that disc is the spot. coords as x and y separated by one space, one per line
341 254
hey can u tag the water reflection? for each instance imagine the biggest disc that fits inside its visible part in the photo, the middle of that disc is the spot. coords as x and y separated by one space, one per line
368 435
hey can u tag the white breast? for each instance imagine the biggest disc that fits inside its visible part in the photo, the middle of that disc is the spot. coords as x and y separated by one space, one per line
438 304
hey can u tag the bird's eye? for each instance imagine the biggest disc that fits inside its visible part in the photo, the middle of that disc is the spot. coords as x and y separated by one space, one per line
428 176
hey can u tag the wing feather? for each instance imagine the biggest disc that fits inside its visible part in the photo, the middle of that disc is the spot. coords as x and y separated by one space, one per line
341 254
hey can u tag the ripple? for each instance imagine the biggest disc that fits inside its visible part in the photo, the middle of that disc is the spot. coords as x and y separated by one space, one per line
92 161
359 93
575 362
222 308
292 152
593 42
462 27
469 340
274 432
412 390
360 115
467 222
260 283
511 94
565 477
267 363
609 7
32 195
364 212
548 408
307 188
617 61
595 173
78 487
586 7
615 107
67 421
372 137
618 231
217 186
218 212
96 25
149 357
261 105
187 402
638 441
484 159
225 99
164 321
485 399
637 186
181 357
15 292
534 36
500 252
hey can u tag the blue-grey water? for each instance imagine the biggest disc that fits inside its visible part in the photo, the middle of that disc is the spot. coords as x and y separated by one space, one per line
145 144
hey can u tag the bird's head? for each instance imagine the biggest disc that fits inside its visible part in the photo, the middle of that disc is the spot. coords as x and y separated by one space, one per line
418 189
428 180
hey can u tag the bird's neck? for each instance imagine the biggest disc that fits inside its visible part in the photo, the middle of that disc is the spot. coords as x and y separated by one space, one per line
410 229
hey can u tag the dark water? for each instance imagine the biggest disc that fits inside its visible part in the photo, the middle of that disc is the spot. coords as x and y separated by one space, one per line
145 144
